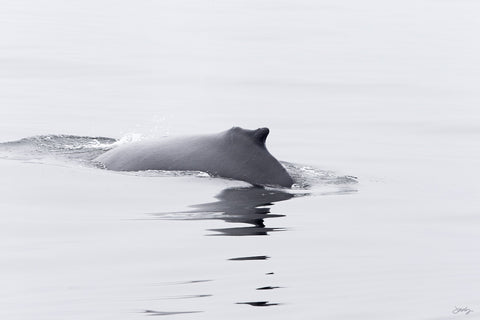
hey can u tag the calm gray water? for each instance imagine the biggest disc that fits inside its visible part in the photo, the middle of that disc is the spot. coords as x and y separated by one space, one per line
373 105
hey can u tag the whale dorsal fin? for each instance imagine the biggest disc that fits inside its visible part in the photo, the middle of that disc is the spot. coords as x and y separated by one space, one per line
260 135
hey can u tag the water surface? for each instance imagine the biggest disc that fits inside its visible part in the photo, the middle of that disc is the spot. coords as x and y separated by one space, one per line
372 107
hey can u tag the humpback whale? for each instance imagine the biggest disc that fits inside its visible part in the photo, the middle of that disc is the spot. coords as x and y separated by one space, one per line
236 153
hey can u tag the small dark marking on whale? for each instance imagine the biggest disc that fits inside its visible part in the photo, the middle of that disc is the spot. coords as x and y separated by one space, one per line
259 230
182 282
249 258
268 288
259 303
166 313
237 153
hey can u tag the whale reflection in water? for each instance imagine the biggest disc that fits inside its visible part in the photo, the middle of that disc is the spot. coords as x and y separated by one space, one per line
249 205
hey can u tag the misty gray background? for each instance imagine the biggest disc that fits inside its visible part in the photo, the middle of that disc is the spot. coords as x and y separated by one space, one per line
383 90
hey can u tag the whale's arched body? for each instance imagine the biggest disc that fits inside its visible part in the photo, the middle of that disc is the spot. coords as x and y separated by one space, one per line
236 153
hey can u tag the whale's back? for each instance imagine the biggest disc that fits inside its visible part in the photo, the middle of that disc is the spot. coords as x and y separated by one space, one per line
236 153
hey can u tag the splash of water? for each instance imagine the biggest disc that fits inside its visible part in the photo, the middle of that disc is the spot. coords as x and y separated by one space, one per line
84 149
66 146
306 177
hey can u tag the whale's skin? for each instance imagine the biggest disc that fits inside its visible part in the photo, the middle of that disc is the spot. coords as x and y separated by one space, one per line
237 153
